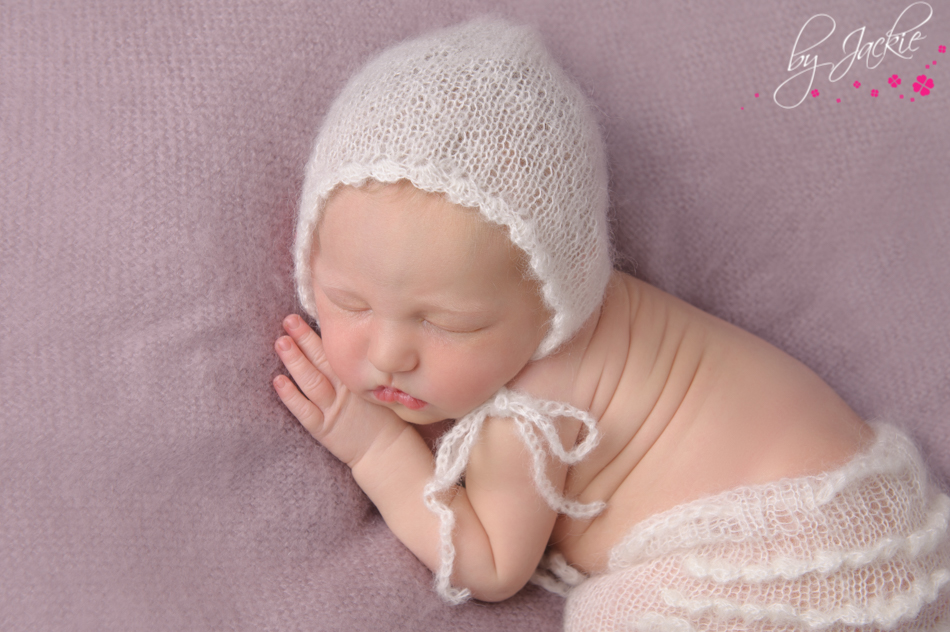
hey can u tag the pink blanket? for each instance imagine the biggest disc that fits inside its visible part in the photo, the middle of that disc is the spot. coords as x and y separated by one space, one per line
152 153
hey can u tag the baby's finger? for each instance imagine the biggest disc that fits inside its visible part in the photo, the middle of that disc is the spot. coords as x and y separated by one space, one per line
312 383
311 345
309 416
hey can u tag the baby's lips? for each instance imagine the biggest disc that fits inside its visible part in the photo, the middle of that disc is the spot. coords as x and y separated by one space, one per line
388 394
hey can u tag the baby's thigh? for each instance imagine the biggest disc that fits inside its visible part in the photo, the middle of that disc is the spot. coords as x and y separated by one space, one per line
670 594
657 596
613 600
648 596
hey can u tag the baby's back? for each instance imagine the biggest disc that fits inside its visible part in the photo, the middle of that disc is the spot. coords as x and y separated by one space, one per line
688 406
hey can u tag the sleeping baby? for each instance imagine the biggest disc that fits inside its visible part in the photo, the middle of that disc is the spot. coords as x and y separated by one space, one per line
660 467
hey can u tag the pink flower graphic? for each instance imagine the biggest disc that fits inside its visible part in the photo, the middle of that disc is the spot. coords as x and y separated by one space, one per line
894 81
857 84
942 49
873 93
815 93
923 85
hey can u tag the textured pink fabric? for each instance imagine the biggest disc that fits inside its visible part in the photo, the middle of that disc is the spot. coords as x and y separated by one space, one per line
151 154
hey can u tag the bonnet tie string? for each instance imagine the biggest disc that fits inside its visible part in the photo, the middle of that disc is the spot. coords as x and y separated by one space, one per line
532 417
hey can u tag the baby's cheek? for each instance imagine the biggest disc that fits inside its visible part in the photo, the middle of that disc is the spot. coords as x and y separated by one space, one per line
474 386
342 353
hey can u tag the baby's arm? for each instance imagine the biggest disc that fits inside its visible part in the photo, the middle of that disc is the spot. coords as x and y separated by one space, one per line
502 524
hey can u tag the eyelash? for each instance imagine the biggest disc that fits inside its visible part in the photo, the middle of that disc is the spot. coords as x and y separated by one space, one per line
445 329
428 324
351 312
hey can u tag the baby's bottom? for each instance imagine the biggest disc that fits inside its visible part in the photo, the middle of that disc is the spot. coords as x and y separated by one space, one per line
865 545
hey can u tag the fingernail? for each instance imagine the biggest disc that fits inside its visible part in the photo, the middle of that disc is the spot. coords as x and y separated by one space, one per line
293 321
283 343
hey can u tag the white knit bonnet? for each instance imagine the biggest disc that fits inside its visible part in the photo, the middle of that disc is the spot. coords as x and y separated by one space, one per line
481 113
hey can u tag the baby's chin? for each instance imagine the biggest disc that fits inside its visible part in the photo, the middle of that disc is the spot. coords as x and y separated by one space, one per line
420 417
423 417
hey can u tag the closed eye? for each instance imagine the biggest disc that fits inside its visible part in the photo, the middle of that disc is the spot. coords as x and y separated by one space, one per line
349 309
346 303
352 309
452 328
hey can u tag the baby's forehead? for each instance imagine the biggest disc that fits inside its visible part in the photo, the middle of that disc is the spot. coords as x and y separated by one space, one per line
359 209
399 225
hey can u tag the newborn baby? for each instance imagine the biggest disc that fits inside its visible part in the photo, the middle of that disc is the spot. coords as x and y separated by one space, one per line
666 469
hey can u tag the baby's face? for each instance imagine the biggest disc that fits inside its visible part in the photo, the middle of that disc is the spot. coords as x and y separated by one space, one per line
423 307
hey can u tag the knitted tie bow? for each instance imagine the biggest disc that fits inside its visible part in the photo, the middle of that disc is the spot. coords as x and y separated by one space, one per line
532 417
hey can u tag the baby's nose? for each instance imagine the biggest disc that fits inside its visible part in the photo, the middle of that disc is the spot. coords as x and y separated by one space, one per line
392 350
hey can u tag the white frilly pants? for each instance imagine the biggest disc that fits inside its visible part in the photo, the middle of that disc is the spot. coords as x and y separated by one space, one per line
864 547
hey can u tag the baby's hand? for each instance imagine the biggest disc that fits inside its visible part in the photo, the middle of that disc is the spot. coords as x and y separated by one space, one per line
344 423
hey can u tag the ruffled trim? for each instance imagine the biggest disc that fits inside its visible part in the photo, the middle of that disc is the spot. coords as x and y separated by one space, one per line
885 613
747 507
919 543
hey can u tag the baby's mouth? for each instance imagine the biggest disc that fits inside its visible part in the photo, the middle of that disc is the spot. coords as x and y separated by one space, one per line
389 394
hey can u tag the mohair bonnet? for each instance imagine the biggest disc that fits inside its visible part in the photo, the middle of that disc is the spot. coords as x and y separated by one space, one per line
482 114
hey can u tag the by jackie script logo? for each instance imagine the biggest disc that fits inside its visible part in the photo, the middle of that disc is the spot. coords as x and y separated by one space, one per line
807 63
